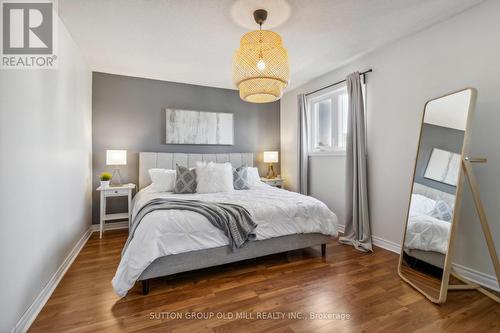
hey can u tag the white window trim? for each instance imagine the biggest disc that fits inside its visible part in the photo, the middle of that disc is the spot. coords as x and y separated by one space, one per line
310 101
321 95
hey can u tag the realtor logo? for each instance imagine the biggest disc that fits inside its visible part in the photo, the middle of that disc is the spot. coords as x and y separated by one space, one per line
28 34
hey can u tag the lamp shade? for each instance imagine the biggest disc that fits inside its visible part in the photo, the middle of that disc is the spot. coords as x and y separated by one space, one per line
116 157
270 157
260 67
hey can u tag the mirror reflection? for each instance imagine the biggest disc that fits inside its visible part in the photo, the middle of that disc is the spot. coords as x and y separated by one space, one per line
434 190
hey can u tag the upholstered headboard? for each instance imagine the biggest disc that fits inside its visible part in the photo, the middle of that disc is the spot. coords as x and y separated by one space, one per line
169 160
434 194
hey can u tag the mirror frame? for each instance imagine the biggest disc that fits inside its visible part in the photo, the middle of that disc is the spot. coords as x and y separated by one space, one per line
458 199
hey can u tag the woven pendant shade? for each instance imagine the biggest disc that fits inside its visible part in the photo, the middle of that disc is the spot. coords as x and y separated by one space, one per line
260 67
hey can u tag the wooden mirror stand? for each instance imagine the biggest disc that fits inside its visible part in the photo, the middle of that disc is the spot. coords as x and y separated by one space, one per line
468 285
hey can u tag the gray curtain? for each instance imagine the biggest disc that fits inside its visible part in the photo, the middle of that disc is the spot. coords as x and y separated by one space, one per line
357 225
303 145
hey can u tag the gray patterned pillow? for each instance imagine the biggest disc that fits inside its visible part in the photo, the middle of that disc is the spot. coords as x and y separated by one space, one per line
240 178
442 211
185 180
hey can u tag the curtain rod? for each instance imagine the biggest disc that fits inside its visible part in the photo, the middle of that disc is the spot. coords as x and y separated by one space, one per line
334 84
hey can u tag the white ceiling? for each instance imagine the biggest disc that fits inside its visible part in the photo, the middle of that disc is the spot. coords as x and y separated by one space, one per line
193 41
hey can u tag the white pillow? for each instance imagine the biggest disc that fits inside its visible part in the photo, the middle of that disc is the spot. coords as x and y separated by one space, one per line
214 177
421 204
162 180
253 176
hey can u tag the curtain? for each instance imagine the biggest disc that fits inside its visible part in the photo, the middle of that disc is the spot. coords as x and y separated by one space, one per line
357 225
303 145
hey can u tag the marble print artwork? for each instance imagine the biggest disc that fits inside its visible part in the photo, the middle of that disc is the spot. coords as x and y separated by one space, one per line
198 127
443 167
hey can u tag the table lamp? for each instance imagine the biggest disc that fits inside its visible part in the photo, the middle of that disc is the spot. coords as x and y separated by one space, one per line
116 158
270 157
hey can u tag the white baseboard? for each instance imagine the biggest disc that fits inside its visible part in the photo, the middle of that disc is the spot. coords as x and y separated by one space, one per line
378 241
29 315
385 244
485 280
111 226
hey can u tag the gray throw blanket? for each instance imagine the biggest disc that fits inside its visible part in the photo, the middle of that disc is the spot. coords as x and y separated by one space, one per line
234 220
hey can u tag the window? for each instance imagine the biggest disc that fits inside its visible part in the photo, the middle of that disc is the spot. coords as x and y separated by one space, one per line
328 125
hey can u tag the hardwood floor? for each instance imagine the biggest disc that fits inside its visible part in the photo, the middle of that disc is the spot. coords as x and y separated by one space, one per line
365 287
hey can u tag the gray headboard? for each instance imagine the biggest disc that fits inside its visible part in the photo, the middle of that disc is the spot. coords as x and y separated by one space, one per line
169 160
434 194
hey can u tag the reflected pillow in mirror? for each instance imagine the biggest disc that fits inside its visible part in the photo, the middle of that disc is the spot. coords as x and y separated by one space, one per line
442 211
420 204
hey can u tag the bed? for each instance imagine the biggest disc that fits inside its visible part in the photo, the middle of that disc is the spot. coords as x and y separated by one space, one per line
170 242
427 236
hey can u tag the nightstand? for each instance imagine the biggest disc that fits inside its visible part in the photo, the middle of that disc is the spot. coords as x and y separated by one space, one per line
276 182
124 190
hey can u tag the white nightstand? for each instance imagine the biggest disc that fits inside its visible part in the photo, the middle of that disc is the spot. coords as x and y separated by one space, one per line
276 182
124 190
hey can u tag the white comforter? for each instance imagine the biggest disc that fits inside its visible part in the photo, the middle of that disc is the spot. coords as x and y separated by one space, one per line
425 232
164 232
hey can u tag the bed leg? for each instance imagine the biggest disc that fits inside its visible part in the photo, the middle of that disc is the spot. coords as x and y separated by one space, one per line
145 287
323 250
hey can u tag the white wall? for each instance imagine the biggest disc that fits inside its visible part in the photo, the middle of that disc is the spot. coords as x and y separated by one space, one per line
45 168
457 53
327 182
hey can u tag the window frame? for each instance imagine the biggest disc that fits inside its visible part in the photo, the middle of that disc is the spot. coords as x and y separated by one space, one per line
332 95
311 118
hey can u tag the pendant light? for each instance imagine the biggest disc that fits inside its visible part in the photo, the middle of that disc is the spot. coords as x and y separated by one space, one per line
260 65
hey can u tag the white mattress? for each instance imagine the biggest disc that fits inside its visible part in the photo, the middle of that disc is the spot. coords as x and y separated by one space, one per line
164 232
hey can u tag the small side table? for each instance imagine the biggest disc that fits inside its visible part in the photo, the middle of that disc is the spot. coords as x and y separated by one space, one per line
124 190
276 182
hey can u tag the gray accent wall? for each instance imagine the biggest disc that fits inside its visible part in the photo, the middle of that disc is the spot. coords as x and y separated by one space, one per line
444 138
129 113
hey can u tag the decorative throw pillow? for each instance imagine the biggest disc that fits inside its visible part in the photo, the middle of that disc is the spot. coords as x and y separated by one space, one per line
185 180
253 176
162 180
214 177
442 211
420 204
240 178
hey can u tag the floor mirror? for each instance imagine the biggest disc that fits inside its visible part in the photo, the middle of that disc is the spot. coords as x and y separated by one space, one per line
436 193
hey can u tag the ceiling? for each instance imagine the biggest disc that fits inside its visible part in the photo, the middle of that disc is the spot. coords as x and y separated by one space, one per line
193 41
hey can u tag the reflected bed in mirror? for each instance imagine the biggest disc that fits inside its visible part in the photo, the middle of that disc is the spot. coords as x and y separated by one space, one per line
435 194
